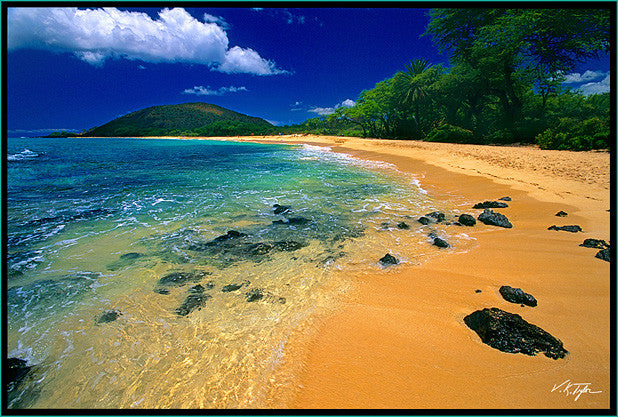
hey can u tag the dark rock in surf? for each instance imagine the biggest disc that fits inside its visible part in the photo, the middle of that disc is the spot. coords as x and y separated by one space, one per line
402 225
506 199
292 221
108 316
16 371
441 243
438 216
254 295
279 209
425 220
179 279
467 220
161 291
388 259
571 228
517 296
131 256
595 243
197 289
490 204
494 219
192 302
510 333
288 245
604 255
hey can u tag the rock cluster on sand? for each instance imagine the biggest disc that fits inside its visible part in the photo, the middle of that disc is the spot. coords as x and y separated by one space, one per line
510 333
517 296
495 219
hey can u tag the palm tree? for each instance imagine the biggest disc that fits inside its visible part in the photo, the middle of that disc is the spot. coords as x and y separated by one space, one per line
415 90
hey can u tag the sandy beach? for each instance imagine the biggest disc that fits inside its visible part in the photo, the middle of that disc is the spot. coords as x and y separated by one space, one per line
399 341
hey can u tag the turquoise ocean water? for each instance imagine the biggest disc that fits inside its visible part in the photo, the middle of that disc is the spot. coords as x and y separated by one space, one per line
160 274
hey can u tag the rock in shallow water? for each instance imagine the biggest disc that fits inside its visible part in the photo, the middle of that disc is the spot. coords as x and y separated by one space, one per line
279 209
510 333
192 302
388 259
517 296
467 220
495 219
179 279
108 316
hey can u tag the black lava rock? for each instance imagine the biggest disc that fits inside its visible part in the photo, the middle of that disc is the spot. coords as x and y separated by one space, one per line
16 371
108 316
131 256
425 220
490 204
436 215
292 221
197 289
441 243
279 209
288 245
388 259
562 213
572 229
595 243
510 333
467 220
402 225
495 219
161 291
604 255
477 291
192 302
506 199
254 295
517 296
231 287
179 279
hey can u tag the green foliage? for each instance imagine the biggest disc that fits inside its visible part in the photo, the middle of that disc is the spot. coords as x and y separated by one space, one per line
451 134
571 134
62 134
176 120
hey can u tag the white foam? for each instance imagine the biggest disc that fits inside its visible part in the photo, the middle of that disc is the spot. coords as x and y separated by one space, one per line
24 155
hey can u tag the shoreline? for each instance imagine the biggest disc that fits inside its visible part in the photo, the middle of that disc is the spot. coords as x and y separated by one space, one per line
398 340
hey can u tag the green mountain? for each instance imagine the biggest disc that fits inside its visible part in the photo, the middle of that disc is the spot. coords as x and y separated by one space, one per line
181 119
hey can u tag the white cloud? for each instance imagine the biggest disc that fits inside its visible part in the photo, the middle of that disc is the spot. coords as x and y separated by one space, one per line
602 86
588 76
218 20
325 111
207 91
238 59
95 35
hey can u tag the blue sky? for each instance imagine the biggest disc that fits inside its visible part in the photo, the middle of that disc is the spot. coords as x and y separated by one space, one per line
70 69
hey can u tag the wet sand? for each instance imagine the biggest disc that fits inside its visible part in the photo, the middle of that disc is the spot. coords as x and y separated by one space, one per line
398 340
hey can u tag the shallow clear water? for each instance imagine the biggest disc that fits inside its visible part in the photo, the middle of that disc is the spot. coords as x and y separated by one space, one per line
140 228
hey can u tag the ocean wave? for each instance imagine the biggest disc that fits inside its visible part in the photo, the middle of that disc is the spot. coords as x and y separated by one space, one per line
25 155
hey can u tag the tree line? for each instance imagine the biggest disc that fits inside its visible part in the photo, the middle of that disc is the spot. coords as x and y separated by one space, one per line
503 85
